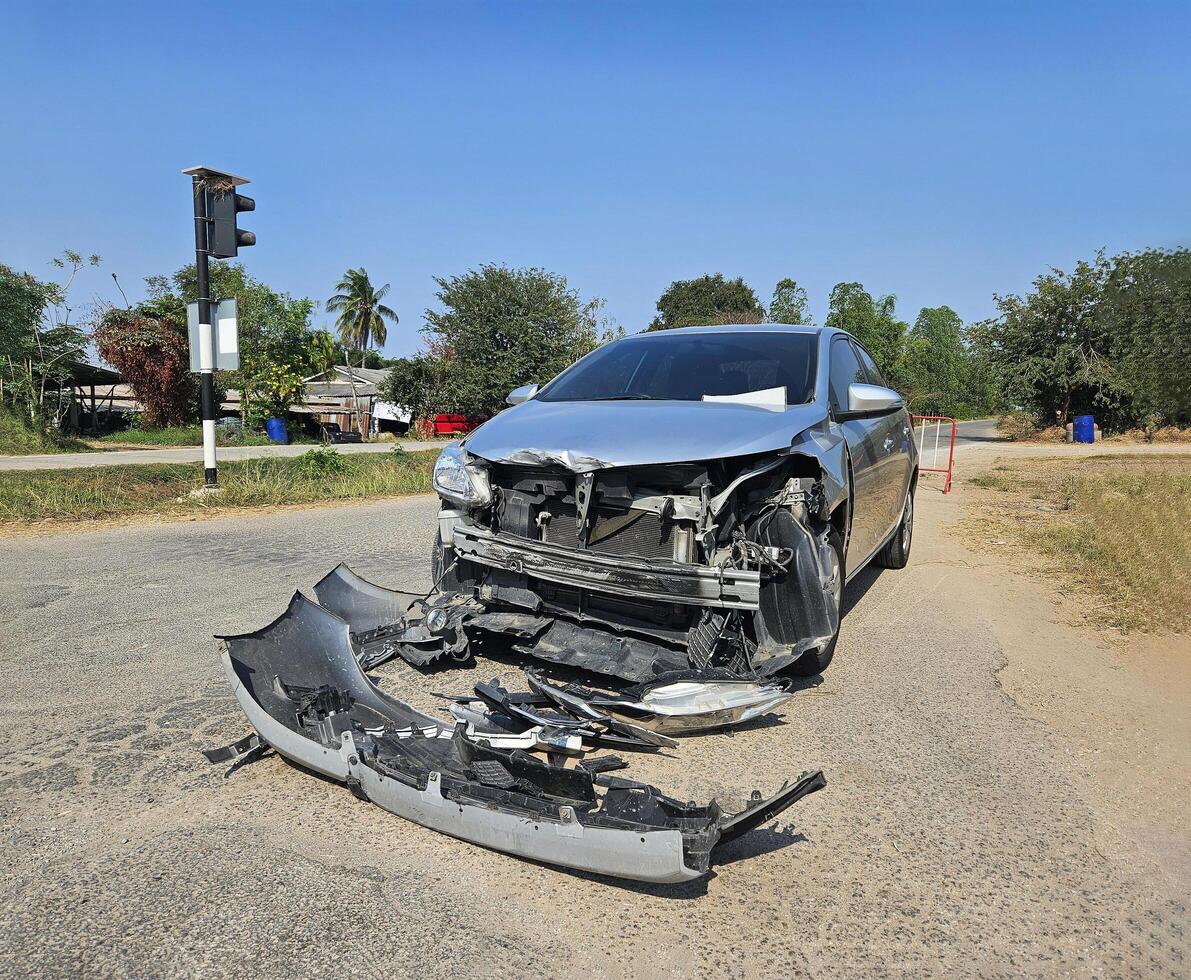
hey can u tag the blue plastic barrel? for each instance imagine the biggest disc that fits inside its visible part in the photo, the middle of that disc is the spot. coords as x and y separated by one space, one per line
275 430
1085 428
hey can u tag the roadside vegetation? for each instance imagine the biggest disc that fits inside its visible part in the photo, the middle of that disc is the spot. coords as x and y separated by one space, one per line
1111 338
102 493
19 437
1024 427
500 328
180 435
1118 526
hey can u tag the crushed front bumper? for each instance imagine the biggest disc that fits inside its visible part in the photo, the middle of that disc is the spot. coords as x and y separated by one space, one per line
301 687
639 578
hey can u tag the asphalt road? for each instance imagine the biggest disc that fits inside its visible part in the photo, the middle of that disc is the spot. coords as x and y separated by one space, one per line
184 454
952 840
977 431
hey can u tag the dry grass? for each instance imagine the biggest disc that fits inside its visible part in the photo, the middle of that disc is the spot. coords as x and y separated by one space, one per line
1022 427
1118 525
103 493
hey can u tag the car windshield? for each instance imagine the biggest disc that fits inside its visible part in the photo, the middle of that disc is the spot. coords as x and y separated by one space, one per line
688 366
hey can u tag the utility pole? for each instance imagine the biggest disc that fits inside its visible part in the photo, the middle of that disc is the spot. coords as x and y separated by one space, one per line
215 234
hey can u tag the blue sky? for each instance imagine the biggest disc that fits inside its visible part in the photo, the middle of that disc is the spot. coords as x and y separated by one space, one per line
941 152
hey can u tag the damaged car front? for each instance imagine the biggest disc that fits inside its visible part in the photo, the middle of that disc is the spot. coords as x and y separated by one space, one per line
691 499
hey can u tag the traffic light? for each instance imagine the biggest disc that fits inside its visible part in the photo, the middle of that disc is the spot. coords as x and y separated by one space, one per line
222 208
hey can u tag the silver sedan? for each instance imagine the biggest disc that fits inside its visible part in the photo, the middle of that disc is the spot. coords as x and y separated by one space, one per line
685 499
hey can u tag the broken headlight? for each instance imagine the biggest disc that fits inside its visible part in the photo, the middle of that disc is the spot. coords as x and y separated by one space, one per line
461 481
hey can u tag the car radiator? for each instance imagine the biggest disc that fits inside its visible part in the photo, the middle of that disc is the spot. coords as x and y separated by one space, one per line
633 533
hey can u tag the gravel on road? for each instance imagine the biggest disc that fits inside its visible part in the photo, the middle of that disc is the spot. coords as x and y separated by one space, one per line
953 837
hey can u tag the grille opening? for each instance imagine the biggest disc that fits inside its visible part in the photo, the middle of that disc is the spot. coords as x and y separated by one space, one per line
670 622
634 532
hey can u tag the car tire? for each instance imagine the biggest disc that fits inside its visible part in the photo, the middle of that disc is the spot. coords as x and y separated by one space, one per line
896 553
816 661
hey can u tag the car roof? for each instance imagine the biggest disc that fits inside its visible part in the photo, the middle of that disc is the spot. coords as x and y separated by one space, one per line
802 328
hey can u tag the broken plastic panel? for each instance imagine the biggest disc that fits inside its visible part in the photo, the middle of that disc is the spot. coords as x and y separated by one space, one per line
385 623
682 704
303 690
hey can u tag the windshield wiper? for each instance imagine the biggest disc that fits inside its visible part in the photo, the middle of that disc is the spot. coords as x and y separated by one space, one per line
627 398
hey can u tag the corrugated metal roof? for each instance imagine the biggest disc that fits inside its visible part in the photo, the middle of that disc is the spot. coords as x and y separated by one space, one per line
337 389
341 372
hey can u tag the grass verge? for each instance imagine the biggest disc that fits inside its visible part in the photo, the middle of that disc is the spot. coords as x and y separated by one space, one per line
103 493
179 435
1119 525
18 438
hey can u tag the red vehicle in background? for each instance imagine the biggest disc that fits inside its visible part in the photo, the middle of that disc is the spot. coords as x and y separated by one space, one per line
452 425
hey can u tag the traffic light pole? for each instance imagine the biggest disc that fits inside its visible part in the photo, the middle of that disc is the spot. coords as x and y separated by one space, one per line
206 332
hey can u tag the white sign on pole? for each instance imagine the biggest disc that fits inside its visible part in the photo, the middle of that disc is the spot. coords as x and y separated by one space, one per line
227 337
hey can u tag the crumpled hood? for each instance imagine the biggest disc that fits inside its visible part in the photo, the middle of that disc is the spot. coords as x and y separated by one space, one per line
587 436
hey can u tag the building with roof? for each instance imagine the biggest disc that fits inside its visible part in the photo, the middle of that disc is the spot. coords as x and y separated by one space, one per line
348 396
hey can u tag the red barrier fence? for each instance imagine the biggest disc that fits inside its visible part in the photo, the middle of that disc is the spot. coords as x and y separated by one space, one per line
934 454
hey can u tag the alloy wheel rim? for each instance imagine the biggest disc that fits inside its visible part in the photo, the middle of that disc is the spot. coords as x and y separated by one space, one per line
908 524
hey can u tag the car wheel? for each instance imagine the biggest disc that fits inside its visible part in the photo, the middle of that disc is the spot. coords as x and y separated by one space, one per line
461 577
896 554
816 661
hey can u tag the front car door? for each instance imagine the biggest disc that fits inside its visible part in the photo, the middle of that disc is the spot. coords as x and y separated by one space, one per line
867 517
893 448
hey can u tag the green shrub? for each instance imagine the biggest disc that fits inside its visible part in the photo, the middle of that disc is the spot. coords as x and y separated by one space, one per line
322 462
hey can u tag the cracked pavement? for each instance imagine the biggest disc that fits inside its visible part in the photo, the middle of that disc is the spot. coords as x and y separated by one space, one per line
957 835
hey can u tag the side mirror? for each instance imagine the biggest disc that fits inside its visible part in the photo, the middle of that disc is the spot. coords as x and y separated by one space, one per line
522 394
872 400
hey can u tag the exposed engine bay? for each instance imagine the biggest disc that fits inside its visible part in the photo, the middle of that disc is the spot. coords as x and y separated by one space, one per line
635 571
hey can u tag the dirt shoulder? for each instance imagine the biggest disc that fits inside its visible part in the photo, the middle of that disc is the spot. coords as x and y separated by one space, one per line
1122 700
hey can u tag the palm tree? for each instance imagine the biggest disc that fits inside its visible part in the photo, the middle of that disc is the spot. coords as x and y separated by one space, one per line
361 319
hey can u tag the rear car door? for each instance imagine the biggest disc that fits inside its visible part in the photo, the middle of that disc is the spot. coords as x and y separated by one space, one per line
846 369
894 465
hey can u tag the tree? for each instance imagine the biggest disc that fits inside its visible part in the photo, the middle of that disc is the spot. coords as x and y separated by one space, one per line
934 359
871 321
707 300
323 352
274 332
148 346
1146 310
38 342
23 301
362 315
788 304
1051 350
361 318
938 372
498 328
